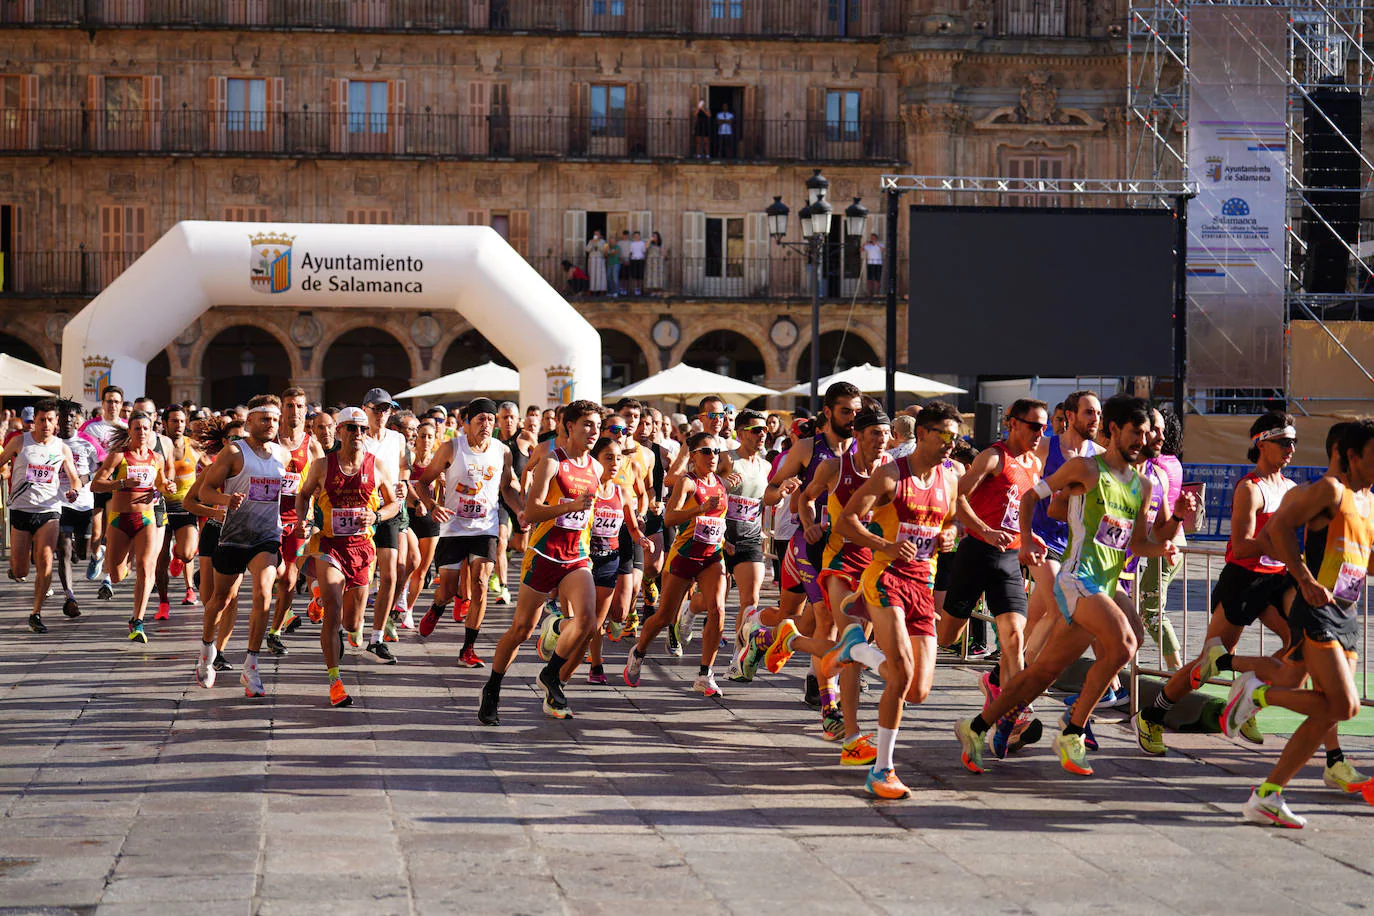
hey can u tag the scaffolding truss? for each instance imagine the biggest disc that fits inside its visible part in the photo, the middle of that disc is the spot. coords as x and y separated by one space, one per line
1325 46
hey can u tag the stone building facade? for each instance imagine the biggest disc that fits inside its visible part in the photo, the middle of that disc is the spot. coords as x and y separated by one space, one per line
546 119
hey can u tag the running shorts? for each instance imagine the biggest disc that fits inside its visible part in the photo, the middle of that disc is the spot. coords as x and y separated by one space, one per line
101 500
131 523
653 524
387 535
77 522
848 566
748 550
351 556
233 561
31 522
637 558
909 594
292 547
178 518
543 575
1244 595
160 513
981 570
424 526
1068 589
689 568
944 568
451 552
1325 624
606 569
803 569
209 540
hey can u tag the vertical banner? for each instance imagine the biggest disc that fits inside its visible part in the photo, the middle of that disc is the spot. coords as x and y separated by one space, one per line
1237 132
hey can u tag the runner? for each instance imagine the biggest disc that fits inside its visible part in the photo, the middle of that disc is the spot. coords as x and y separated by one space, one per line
558 505
179 542
352 498
508 432
477 474
211 437
911 501
1108 499
40 459
698 504
650 436
1324 619
322 431
246 479
1251 585
100 432
746 472
421 522
301 450
405 423
1154 575
521 446
390 448
135 474
986 565
73 533
634 475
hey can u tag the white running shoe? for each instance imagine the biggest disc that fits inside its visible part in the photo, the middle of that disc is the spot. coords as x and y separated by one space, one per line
685 621
205 671
408 620
706 684
1271 810
1240 705
252 682
548 636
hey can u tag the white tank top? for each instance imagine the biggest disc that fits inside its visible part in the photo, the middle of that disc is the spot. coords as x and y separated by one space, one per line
388 450
84 457
258 519
472 487
34 478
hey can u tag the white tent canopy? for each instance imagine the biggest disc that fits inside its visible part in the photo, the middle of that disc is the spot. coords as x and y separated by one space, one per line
488 378
683 382
15 371
468 269
872 379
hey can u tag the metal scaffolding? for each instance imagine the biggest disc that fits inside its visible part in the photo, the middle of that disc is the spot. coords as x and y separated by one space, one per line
1325 46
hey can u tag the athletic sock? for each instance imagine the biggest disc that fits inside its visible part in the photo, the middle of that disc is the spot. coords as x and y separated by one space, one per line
555 665
250 661
1158 709
1268 788
787 643
207 652
376 636
276 632
868 655
703 670
829 696
469 638
494 682
333 674
979 725
1072 729
436 608
638 654
887 743
1261 696
1224 662
1334 756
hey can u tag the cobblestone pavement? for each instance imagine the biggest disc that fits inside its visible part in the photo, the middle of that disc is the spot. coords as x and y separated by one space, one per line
127 788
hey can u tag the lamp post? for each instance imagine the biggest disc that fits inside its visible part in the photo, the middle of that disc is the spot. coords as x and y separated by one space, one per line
815 229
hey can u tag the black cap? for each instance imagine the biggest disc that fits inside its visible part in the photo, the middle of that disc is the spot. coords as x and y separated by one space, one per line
379 396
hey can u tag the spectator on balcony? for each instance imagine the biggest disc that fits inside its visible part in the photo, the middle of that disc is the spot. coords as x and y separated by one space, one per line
639 251
625 248
596 264
873 264
613 269
725 132
653 265
701 131
577 279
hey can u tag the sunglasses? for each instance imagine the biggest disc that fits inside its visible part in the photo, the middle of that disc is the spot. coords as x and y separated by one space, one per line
1035 427
353 427
944 435
1285 443
707 450
615 430
752 429
715 415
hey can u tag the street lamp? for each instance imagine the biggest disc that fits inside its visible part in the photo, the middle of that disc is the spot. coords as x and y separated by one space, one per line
815 220
248 363
856 219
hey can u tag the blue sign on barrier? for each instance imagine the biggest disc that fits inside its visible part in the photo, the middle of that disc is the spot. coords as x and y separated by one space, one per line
1221 483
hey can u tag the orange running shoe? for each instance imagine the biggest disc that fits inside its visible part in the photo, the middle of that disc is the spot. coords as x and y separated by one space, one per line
460 609
887 785
337 695
859 753
778 653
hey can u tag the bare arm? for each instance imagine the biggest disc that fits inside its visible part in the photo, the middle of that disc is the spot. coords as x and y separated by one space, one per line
798 457
535 509
674 514
1076 476
876 491
314 479
1245 505
806 502
509 491
989 461
1321 497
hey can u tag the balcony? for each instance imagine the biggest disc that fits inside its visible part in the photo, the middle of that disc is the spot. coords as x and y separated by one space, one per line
35 274
1040 19
424 135
826 19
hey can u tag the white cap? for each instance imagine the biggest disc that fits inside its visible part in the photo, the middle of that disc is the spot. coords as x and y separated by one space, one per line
351 415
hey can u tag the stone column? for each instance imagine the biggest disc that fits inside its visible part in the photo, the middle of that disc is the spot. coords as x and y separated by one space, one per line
314 388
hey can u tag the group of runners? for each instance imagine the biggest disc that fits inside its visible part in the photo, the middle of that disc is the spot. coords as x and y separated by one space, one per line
1066 533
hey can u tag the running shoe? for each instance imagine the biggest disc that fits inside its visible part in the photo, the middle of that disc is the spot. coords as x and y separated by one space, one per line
1028 731
1073 754
291 623
503 597
970 745
686 621
494 584
106 591
252 683
1206 667
428 623
858 752
885 784
1089 739
354 638
315 610
408 620
190 597
778 652
460 609
338 696
811 693
633 664
164 611
548 637
1271 810
705 684
863 681
632 622
70 607
136 633
651 595
832 725
752 658
840 655
1240 704
487 710
468 659
555 703
175 567
1149 736
205 672
14 578
383 654
221 663
48 593
389 629
597 676
94 566
36 624
1341 775
999 736
976 650
735 672
275 645
674 645
990 690
615 631
1250 731
1110 700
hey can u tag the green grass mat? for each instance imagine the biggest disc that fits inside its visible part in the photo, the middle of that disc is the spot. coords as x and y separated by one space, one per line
1277 721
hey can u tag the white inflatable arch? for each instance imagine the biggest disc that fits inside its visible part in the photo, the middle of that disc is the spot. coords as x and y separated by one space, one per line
198 264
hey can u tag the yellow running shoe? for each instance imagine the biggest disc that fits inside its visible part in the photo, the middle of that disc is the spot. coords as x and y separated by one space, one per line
778 653
1345 777
886 784
1150 736
1073 754
859 753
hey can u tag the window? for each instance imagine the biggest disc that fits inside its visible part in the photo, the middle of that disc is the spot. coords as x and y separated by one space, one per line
608 111
725 246
11 111
123 104
372 216
842 115
367 107
727 9
247 214
123 237
1021 166
833 8
247 108
608 7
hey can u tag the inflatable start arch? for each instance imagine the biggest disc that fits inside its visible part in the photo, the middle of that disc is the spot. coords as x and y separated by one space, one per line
198 264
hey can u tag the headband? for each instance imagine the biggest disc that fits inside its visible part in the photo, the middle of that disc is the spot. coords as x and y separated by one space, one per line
1282 432
265 408
871 418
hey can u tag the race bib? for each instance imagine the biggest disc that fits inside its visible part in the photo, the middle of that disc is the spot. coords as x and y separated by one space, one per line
290 483
743 509
347 521
572 521
1114 533
925 537
40 473
472 508
142 475
1011 519
709 530
1349 582
1271 562
606 524
264 489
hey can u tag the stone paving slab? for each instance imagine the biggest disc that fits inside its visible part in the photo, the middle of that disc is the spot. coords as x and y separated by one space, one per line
124 788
